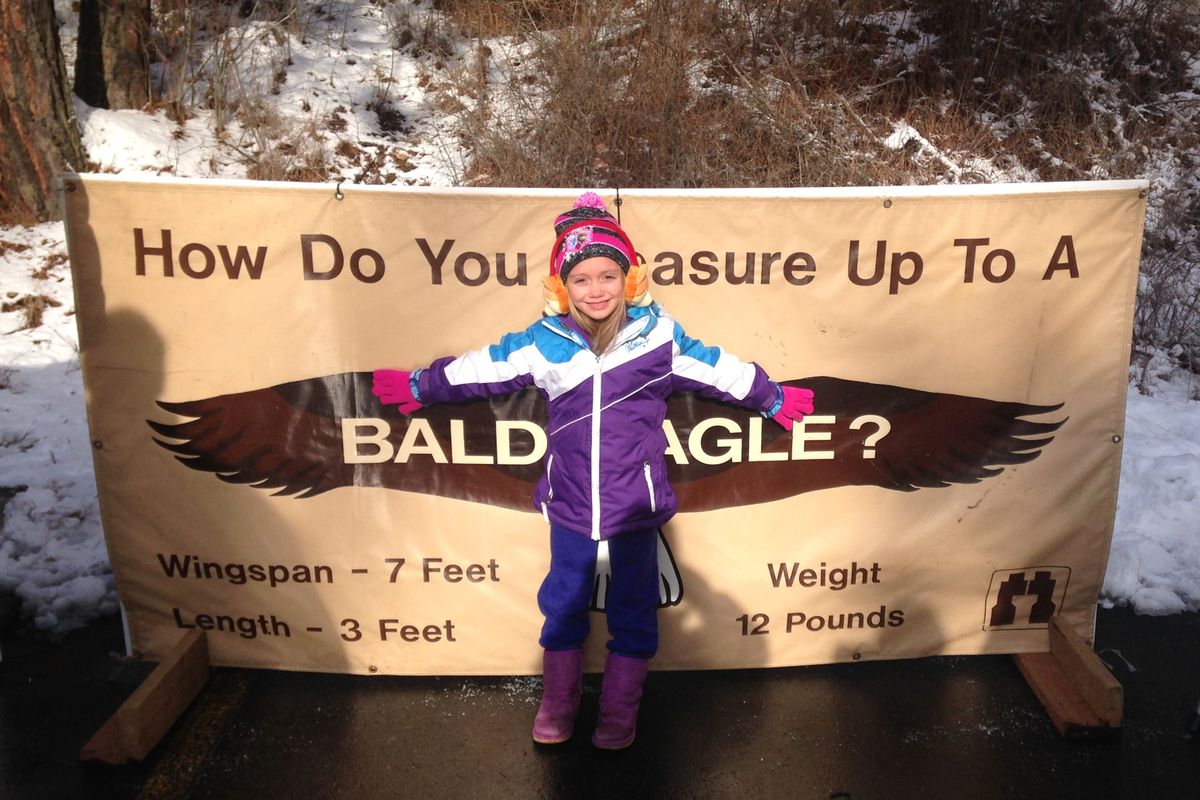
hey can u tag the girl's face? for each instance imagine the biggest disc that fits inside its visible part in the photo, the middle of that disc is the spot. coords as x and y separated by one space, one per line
596 287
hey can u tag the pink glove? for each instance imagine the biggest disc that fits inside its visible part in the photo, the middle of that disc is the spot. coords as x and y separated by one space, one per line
393 387
796 403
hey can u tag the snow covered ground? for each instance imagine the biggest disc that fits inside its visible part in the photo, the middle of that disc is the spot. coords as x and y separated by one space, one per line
1155 561
52 552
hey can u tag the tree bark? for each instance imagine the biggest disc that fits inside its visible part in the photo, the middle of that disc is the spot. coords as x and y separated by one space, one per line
112 64
38 137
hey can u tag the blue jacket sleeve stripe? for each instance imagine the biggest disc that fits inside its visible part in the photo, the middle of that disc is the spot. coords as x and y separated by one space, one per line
495 370
535 355
695 349
712 367
716 374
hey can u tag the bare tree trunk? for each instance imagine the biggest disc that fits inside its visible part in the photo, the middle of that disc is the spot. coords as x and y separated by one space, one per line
38 136
111 67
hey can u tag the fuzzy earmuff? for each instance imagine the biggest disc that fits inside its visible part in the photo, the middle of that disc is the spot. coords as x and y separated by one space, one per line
555 295
637 287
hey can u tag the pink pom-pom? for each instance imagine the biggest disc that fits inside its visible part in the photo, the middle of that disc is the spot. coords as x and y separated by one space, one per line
590 200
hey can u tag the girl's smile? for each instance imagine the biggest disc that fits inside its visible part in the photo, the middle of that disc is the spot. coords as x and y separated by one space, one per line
596 287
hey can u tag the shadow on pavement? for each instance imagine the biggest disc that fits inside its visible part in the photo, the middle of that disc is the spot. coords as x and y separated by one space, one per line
964 727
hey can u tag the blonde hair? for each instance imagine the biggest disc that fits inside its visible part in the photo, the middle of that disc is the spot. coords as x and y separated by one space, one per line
600 333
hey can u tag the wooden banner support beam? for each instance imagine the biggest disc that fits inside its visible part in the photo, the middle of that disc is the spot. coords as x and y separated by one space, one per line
1082 697
143 719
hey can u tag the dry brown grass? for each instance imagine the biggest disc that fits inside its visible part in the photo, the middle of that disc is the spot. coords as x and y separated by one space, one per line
505 17
670 93
31 307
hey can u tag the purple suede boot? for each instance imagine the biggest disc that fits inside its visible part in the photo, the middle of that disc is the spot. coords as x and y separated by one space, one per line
562 685
620 696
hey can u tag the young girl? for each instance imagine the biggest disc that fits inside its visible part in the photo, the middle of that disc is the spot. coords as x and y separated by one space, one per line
607 359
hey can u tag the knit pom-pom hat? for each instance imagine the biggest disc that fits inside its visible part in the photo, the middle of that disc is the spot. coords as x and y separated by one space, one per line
585 231
588 230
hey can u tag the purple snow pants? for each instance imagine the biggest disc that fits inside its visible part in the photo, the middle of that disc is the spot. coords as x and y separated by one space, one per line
632 598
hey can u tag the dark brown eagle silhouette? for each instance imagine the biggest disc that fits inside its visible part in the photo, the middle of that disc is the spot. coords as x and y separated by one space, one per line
289 438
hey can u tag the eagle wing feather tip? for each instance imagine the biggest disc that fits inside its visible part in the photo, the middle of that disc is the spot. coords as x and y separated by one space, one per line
182 447
183 409
164 429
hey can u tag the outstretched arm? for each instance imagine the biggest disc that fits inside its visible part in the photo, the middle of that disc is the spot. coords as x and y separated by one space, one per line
496 370
718 375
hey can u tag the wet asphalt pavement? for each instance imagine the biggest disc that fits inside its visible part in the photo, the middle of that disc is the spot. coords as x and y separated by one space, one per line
951 727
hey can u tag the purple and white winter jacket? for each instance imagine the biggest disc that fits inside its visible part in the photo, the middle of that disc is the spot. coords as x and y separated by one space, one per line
605 469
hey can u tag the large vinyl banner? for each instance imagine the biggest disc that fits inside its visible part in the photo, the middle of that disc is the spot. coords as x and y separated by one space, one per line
955 488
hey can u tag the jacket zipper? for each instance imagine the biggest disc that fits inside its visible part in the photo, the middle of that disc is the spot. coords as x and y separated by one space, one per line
549 488
596 448
650 486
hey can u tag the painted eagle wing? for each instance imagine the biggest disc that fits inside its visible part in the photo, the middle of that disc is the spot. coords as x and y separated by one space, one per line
934 440
279 437
290 438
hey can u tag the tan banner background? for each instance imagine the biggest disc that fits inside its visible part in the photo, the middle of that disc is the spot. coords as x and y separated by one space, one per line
189 291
